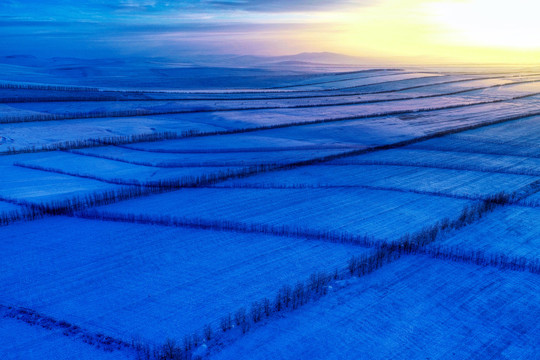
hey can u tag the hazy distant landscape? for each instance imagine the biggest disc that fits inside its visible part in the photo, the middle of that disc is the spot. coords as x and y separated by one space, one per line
251 207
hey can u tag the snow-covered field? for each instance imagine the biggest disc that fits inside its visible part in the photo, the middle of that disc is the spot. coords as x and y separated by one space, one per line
113 171
184 116
19 340
518 138
511 231
376 213
150 282
415 308
397 208
66 107
6 207
175 156
35 186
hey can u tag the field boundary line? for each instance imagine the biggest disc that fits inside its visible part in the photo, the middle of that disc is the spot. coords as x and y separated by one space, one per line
97 340
441 167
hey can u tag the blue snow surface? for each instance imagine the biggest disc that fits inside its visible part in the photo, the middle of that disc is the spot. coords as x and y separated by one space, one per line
414 308
396 212
151 282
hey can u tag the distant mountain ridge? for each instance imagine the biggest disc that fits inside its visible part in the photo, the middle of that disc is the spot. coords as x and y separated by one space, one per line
227 60
305 57
182 71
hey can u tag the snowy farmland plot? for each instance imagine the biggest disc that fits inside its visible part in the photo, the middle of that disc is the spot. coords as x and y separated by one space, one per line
273 213
319 210
393 319
25 185
110 171
509 231
24 341
413 178
150 282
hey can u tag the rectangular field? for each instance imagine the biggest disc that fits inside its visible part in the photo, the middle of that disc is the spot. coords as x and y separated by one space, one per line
373 213
36 186
518 138
115 172
452 160
19 340
416 307
174 157
149 282
510 231
395 177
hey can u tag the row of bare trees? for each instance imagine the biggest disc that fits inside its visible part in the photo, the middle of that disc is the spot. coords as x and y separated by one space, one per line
47 87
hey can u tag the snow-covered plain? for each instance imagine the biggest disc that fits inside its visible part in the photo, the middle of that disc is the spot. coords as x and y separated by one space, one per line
336 161
518 138
6 207
220 157
61 107
32 342
415 308
21 135
150 282
510 231
415 155
35 186
111 171
422 179
290 112
381 214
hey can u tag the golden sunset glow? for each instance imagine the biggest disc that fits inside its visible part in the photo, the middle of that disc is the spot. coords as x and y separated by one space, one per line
393 31
498 24
477 31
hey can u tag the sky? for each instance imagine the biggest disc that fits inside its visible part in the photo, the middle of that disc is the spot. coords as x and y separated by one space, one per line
416 31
